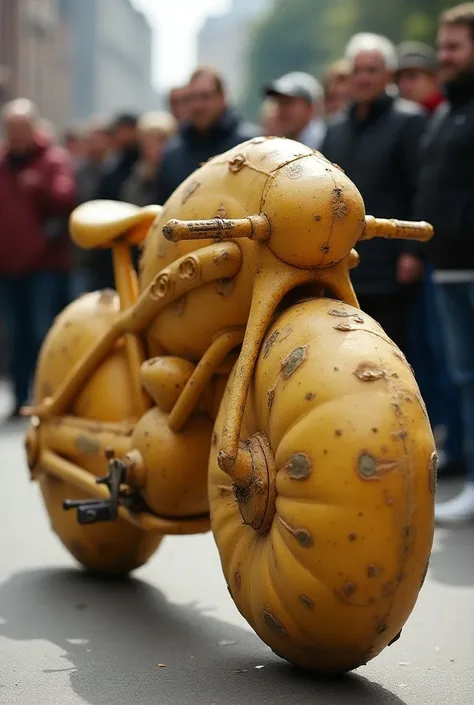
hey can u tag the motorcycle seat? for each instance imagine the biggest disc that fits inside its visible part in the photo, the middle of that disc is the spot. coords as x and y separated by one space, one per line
100 223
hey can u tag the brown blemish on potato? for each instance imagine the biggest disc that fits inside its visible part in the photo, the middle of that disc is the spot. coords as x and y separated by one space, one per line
292 361
339 207
269 343
434 461
224 489
388 589
306 602
87 445
397 409
341 313
271 396
310 396
225 287
373 571
294 170
349 589
214 438
237 579
237 162
352 537
381 628
338 433
369 372
303 536
221 212
274 558
400 435
273 624
346 327
299 466
375 430
371 469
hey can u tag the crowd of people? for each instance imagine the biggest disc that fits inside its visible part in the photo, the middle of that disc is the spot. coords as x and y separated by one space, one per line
398 120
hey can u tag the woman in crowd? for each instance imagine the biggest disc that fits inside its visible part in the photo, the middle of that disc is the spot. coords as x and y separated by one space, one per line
154 131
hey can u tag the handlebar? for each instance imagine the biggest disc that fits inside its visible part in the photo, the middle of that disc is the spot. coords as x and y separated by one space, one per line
396 229
257 227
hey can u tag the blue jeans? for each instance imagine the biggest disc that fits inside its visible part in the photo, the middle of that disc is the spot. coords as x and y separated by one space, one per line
456 303
29 305
428 356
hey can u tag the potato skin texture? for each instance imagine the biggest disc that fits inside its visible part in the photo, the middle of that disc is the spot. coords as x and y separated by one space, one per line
338 574
112 548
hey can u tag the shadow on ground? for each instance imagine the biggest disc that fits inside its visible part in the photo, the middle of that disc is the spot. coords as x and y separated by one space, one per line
116 633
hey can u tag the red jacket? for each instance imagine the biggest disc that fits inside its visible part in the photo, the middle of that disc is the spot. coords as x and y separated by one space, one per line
34 191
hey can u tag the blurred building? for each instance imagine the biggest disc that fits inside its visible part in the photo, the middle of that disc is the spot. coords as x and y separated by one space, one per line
111 50
223 42
34 56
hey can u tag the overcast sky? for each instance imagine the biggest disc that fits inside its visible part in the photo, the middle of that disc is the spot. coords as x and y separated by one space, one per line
176 23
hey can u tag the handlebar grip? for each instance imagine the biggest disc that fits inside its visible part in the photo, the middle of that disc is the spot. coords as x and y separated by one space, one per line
399 229
255 227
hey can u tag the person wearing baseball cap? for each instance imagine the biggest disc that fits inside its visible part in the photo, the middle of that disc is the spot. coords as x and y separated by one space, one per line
298 99
417 75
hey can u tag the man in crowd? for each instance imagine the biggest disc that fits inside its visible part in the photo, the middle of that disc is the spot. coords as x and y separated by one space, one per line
376 141
446 199
124 136
418 80
298 98
417 75
336 87
211 128
37 194
178 103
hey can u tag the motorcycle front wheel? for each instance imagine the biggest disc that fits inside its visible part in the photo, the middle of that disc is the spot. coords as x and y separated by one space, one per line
329 573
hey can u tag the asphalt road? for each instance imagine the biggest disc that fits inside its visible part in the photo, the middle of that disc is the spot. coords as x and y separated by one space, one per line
68 639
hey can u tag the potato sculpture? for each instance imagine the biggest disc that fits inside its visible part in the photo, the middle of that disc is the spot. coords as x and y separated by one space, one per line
332 579
236 385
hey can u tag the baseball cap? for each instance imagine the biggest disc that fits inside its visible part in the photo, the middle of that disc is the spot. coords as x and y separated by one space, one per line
416 55
296 85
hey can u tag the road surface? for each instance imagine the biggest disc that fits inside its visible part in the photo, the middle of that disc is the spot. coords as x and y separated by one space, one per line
67 639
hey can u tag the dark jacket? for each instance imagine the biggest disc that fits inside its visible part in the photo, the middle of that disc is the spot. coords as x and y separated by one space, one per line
379 154
189 149
99 262
140 187
33 232
445 196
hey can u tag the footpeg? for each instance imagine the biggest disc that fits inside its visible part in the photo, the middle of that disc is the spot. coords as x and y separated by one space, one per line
93 511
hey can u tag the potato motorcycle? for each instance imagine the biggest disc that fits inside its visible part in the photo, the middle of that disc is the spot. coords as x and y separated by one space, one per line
234 384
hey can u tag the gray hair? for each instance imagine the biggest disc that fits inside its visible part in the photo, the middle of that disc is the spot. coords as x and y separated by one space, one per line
21 107
366 41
